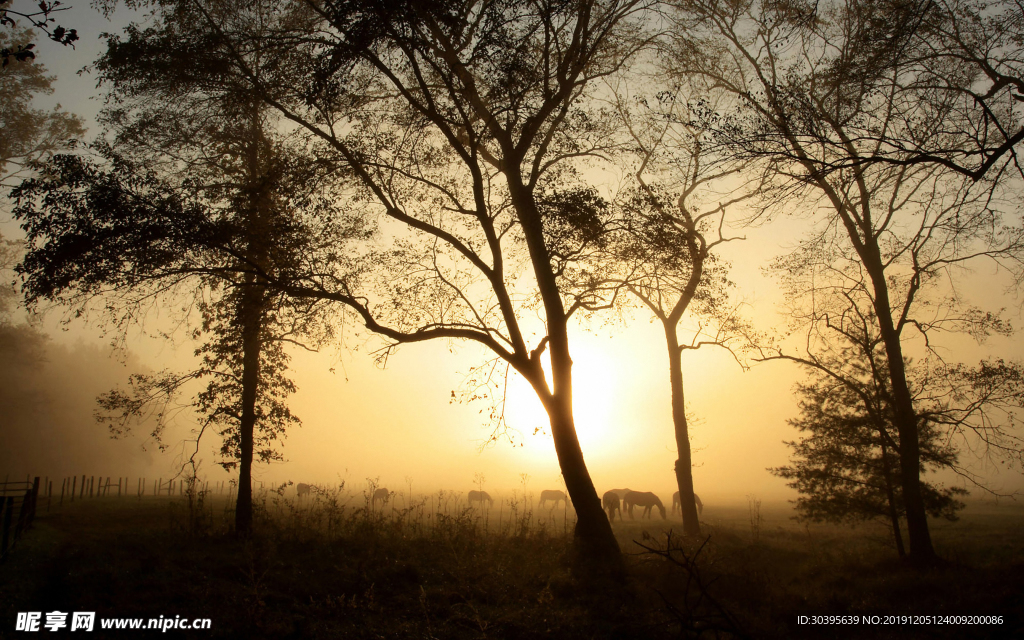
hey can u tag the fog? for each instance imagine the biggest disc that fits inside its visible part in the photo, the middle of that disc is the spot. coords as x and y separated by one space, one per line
405 423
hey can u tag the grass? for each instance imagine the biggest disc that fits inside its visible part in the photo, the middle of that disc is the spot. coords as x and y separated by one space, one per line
334 566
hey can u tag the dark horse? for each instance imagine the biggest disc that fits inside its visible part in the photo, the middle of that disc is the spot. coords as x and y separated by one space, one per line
610 501
552 495
481 497
645 499
381 494
677 505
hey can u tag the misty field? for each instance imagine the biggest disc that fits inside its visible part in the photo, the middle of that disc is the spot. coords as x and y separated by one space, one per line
334 565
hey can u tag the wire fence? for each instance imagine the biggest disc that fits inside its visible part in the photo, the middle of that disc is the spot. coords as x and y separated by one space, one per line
21 498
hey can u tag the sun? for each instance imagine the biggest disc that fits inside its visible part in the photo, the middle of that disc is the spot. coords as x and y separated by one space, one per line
596 402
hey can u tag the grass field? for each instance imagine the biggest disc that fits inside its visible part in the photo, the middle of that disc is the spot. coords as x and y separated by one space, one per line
333 567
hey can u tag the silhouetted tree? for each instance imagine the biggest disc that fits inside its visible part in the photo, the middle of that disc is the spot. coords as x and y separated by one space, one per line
820 83
196 192
846 465
849 400
961 64
467 127
28 134
665 253
40 17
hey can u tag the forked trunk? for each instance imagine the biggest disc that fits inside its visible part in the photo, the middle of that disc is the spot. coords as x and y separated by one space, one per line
684 463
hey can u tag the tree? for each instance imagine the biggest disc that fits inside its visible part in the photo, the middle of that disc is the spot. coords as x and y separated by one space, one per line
962 64
40 19
847 466
820 84
673 224
466 126
28 135
198 194
852 452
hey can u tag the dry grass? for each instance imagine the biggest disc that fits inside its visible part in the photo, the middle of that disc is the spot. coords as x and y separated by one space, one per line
334 565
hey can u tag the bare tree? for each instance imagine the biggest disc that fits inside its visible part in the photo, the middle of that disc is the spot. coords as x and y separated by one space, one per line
821 84
963 66
673 224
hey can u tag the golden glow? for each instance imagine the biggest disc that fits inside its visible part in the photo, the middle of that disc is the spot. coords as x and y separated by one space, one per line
596 391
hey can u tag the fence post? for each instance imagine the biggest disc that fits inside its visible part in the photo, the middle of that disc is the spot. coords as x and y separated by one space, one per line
26 505
35 500
7 525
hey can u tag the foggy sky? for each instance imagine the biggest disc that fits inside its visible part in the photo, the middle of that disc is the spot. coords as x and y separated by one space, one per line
400 423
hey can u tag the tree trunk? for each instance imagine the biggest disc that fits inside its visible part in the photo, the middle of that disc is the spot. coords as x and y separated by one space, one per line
684 463
593 531
890 494
250 313
921 550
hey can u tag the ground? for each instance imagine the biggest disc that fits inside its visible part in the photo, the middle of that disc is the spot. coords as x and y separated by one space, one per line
335 567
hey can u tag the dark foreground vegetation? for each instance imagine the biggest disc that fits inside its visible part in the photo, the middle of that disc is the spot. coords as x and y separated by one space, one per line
336 569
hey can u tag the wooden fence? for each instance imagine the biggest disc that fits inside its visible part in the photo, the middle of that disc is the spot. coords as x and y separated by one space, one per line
84 487
20 497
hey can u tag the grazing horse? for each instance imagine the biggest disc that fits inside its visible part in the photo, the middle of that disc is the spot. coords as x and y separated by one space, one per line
645 499
678 505
481 497
381 494
610 501
302 489
554 496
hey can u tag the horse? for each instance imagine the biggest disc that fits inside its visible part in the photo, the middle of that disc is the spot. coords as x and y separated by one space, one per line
381 494
645 499
302 489
553 495
678 505
620 492
480 496
610 501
